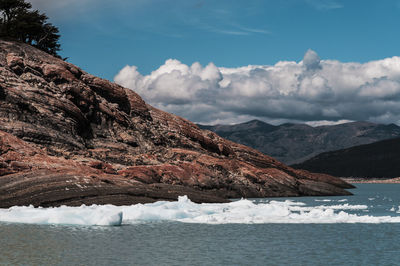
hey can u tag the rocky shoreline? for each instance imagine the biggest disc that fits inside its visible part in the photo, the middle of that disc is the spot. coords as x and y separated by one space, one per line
371 180
68 137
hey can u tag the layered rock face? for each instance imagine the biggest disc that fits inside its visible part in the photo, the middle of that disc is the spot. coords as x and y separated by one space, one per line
68 137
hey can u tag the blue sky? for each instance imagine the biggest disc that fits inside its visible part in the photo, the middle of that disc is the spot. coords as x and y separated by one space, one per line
220 61
103 36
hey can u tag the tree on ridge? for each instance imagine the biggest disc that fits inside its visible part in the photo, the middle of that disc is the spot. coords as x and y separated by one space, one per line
29 26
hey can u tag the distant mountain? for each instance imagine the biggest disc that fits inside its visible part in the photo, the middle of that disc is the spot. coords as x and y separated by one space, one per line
377 160
295 143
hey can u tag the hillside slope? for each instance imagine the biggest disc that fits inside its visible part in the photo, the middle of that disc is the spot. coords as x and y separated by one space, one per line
68 137
377 160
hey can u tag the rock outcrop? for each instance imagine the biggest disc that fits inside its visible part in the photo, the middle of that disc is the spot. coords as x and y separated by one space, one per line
68 137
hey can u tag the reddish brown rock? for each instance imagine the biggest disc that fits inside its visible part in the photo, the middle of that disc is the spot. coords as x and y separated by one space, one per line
67 137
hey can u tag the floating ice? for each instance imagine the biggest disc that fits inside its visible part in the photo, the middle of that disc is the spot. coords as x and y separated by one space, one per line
83 215
242 211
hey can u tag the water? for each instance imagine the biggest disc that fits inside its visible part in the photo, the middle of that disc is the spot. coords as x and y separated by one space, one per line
183 234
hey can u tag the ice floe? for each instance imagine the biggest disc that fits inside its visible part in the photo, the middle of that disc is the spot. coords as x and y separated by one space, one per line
83 215
185 211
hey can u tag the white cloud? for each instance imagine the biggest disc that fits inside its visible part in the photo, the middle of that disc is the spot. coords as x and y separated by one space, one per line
324 4
326 122
311 60
312 90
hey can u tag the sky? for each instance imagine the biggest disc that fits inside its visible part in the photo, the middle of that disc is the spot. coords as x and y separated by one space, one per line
220 61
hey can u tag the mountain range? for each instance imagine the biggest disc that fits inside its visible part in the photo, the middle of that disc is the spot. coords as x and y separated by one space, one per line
295 143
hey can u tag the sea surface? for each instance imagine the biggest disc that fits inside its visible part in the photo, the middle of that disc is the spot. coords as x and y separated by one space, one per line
363 229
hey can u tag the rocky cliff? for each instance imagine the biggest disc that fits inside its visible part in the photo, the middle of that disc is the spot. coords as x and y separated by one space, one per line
68 137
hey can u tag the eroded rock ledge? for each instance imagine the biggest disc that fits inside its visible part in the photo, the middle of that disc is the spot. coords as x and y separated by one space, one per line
68 137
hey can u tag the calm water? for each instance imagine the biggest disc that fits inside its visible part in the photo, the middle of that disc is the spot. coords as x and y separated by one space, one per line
159 242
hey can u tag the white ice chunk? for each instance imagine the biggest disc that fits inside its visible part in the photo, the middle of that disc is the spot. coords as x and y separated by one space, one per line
83 215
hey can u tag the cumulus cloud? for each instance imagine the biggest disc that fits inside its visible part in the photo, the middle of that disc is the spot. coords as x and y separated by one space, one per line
311 60
312 90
